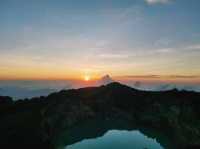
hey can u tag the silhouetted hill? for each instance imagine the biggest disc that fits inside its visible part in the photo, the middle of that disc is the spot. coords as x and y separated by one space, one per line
36 123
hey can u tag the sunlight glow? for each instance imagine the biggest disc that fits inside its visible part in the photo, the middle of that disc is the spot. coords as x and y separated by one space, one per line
87 78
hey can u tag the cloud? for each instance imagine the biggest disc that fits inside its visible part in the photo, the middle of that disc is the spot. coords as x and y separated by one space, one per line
140 76
162 76
157 1
184 76
194 47
113 56
165 50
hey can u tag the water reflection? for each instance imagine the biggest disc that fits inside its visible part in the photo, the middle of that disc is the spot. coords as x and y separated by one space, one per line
107 134
118 139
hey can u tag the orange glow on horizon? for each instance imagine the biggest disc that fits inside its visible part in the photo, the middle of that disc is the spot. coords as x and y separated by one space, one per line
90 76
87 78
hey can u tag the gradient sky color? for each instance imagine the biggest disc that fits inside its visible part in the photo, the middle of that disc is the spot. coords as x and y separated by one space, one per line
57 39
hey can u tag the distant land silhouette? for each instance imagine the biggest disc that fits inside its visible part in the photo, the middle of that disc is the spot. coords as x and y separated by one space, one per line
21 89
37 122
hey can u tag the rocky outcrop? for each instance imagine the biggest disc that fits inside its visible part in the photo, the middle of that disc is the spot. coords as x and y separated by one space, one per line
39 121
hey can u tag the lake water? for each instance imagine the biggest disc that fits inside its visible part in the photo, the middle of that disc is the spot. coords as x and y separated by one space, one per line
118 139
111 134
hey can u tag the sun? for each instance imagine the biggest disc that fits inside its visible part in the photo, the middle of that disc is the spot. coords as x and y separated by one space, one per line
87 78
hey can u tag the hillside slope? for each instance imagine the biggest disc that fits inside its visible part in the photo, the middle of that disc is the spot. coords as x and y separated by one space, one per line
36 123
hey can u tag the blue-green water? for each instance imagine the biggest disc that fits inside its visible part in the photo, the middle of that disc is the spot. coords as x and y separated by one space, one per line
118 139
111 134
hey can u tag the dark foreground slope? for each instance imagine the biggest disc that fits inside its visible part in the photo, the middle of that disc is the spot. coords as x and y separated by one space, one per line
37 122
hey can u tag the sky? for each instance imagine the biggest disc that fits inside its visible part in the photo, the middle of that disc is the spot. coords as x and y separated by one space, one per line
60 39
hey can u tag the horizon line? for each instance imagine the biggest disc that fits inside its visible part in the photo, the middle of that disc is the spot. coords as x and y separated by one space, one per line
153 76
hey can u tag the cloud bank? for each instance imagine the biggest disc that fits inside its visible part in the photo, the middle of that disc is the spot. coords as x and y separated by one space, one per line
157 1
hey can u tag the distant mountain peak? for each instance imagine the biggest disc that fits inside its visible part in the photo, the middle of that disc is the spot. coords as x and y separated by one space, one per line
105 80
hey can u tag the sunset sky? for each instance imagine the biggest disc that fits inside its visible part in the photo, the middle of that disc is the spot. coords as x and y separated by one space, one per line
60 39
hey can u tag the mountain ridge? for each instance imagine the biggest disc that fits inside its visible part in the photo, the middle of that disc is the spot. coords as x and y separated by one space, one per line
46 117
